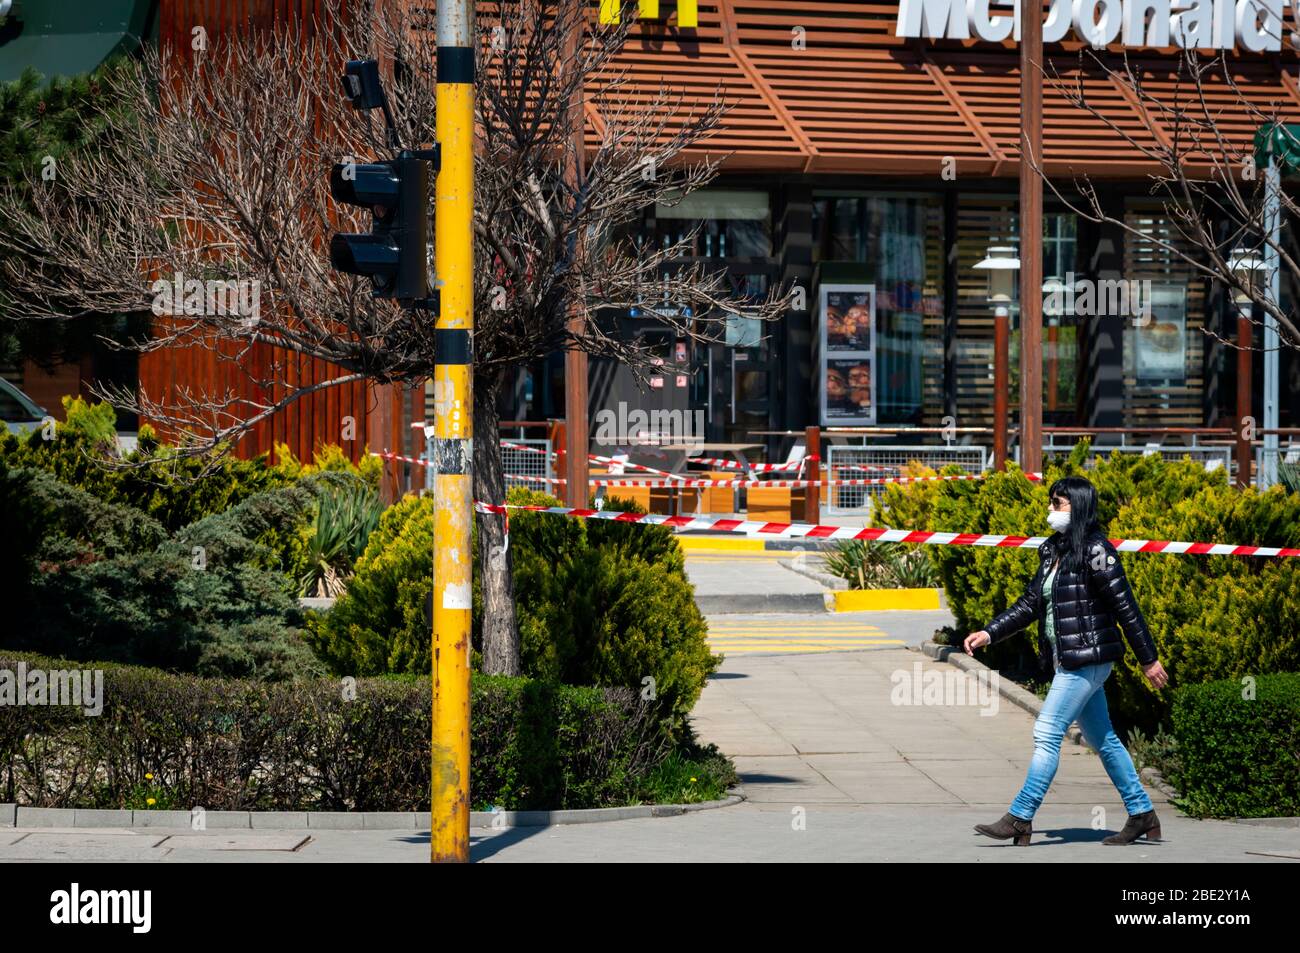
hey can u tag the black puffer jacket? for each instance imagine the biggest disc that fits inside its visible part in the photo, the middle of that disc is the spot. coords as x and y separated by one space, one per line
1087 606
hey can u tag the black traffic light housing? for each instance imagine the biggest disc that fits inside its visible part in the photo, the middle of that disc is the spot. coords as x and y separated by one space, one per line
362 85
394 254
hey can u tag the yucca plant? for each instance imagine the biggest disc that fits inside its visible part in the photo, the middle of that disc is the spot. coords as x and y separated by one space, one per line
346 514
1288 474
881 565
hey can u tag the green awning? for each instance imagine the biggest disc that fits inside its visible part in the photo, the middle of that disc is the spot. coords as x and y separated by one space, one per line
1283 142
70 37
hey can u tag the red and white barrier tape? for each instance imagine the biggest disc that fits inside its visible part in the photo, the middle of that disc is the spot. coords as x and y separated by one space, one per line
811 531
524 449
784 484
635 466
596 458
719 464
715 462
687 483
397 456
865 468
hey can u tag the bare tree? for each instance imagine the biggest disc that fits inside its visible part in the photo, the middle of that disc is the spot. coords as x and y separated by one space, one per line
1190 108
217 170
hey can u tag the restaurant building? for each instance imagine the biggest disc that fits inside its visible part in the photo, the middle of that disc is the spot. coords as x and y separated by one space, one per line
871 159
878 171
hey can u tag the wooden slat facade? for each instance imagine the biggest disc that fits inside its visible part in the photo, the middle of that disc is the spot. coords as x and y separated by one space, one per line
825 86
314 420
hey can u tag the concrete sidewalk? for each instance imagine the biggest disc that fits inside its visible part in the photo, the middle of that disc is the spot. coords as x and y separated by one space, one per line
833 769
751 582
833 765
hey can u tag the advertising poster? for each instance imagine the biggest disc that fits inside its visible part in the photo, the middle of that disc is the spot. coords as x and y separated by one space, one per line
848 354
1160 345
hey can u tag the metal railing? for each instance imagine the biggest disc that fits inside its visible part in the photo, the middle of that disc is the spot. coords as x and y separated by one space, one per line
841 459
1210 455
1269 460
516 462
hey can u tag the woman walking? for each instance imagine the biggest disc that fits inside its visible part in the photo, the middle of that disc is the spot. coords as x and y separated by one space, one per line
1077 596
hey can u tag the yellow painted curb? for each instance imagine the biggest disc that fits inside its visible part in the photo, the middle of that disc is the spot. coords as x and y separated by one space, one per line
710 544
882 600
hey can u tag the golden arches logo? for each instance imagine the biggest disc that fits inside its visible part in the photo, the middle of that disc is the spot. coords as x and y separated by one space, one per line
688 13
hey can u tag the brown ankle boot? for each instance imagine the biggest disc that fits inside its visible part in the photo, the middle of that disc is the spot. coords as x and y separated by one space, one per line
1009 826
1137 825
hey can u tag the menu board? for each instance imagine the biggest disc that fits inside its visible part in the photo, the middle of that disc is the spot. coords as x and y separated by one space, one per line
848 354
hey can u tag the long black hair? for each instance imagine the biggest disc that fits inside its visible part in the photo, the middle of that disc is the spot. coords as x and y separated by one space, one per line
1083 518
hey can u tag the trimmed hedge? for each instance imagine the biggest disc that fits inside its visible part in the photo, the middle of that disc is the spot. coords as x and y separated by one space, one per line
1239 756
245 745
597 604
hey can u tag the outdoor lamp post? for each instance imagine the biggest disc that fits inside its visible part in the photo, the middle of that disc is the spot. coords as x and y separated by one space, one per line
1001 263
1248 267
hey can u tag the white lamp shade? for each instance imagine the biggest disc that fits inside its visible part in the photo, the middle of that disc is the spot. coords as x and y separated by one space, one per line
1248 267
1001 262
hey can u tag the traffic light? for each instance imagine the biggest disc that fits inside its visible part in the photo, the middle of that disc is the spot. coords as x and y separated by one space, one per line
394 254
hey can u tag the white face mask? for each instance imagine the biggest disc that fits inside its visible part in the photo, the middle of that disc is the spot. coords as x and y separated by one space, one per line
1058 521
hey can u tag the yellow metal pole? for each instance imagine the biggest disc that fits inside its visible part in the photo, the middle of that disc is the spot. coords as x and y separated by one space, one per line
453 413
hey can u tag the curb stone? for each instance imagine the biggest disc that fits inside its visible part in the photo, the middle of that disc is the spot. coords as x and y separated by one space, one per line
18 816
1264 821
1152 776
503 819
758 604
838 584
824 578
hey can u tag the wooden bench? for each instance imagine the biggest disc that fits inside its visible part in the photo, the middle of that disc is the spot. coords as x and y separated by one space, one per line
652 499
776 504
711 499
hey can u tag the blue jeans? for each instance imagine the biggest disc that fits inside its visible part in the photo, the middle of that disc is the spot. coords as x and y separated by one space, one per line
1078 694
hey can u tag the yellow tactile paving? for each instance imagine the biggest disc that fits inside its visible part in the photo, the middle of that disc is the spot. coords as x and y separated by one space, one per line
742 557
815 635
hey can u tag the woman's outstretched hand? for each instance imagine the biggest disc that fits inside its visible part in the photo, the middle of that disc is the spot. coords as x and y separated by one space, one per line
976 640
1156 675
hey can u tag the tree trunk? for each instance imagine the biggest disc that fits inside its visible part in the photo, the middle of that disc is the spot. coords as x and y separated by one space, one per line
500 633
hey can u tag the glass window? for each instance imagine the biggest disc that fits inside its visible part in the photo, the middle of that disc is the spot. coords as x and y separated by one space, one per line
1163 355
898 238
1060 339
732 223
986 222
1060 241
743 331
